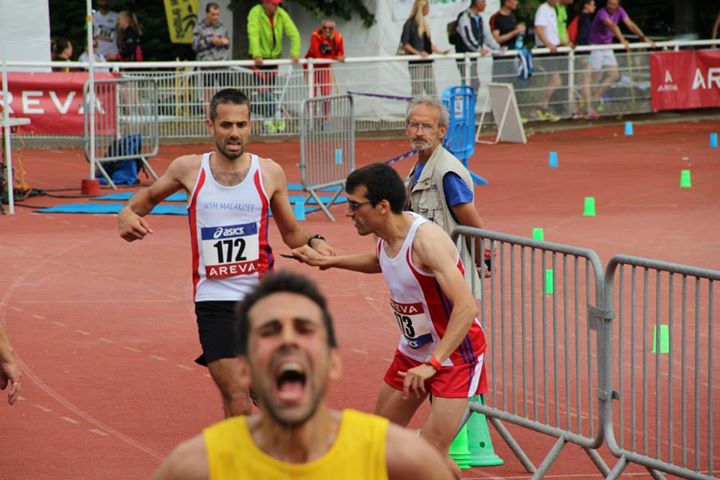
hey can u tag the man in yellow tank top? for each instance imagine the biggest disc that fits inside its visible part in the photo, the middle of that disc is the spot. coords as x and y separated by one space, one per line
287 339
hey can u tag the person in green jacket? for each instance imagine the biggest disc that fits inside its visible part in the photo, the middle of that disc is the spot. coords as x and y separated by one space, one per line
267 24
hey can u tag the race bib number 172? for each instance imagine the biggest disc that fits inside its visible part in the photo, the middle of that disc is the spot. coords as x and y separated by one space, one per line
230 250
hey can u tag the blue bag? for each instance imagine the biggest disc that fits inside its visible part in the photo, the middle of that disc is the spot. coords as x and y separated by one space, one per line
123 172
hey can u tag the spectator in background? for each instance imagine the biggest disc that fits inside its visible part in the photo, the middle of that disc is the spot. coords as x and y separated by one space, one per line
547 35
603 29
511 36
99 57
585 10
129 34
475 36
210 38
416 40
105 23
9 370
583 20
62 52
325 43
439 187
267 24
715 27
505 28
562 20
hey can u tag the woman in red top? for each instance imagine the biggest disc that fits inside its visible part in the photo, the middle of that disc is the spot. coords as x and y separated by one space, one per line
325 42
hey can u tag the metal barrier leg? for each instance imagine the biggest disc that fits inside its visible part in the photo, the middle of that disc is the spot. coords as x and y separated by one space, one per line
148 168
104 173
321 205
655 474
617 469
512 443
549 459
598 461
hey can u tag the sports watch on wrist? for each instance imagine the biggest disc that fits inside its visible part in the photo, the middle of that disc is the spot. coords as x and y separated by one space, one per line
313 237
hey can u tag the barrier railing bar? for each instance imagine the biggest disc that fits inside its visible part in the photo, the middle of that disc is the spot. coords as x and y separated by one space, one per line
578 367
697 372
588 301
710 378
523 296
556 386
683 364
566 345
658 349
513 323
543 276
503 331
533 335
645 360
672 355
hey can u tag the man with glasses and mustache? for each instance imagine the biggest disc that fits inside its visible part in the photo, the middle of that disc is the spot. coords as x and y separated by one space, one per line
286 337
439 187
230 194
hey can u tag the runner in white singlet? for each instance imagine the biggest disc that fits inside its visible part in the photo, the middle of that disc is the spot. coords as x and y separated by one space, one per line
442 346
231 193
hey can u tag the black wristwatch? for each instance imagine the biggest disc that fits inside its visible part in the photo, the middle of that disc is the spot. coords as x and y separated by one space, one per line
313 237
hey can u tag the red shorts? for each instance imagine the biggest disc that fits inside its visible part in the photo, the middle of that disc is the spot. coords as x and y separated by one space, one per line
459 381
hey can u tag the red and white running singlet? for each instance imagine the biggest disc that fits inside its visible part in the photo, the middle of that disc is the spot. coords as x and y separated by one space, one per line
229 234
420 307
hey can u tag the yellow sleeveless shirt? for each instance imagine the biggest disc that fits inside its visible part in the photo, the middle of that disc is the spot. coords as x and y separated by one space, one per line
358 453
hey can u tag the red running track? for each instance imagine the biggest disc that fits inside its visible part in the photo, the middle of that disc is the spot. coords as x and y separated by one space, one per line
105 329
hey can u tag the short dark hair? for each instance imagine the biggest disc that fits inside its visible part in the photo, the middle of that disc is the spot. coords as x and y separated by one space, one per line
382 183
211 6
59 45
277 282
227 95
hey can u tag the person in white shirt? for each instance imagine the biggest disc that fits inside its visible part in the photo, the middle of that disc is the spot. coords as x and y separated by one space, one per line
547 35
99 57
105 23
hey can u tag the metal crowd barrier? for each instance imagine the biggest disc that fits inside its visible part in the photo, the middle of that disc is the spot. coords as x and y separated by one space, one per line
560 328
544 341
124 123
184 88
665 417
327 147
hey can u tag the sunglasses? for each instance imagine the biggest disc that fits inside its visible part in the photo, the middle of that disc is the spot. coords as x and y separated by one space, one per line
328 29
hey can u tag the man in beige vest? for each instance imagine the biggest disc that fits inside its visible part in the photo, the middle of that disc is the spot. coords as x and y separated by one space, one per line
439 187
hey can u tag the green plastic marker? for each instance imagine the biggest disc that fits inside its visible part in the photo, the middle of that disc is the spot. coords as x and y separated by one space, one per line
685 180
589 209
661 339
549 281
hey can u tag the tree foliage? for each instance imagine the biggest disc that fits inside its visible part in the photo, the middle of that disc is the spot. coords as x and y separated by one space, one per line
67 19
345 9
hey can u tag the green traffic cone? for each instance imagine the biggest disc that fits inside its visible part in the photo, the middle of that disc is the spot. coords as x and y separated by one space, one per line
482 453
459 449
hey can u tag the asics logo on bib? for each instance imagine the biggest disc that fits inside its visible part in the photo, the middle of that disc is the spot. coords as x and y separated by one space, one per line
229 232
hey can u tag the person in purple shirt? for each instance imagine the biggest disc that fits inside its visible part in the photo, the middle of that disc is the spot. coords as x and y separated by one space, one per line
605 26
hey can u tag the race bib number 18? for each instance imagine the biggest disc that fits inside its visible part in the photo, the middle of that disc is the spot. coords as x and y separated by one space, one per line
412 322
230 250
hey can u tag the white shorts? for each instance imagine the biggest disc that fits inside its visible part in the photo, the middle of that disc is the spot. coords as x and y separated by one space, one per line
602 58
